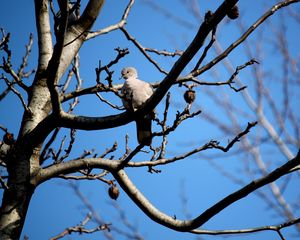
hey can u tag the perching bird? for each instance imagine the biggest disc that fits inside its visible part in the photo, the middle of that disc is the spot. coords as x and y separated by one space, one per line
135 93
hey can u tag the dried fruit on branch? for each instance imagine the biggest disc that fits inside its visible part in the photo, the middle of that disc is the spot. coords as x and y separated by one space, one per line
233 13
189 96
113 192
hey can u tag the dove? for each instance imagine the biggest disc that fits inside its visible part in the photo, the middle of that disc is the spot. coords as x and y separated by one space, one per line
135 93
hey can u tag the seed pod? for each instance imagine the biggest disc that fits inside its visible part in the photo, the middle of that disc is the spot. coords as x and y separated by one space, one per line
113 192
189 96
8 138
233 13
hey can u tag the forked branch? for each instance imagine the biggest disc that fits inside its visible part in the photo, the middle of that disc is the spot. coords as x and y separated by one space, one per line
156 215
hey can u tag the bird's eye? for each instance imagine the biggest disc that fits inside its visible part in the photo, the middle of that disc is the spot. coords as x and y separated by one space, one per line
127 72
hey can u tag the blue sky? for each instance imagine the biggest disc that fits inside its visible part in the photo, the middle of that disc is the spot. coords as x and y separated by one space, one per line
55 206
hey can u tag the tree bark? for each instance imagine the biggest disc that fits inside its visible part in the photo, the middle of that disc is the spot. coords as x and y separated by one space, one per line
21 165
13 213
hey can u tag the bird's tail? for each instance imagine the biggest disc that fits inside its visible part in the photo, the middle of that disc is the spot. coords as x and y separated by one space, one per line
143 129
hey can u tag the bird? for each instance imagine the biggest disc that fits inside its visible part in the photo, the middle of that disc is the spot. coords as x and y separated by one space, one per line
136 92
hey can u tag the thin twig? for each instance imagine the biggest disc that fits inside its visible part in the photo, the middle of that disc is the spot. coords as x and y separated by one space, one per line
142 49
18 94
47 146
164 52
70 146
275 228
237 70
210 145
108 103
26 56
109 150
81 228
164 128
212 40
114 27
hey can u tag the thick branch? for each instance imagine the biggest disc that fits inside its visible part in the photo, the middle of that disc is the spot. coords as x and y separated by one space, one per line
53 66
142 202
44 33
76 34
56 170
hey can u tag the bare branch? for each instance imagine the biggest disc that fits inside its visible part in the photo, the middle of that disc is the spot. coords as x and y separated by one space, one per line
212 40
91 90
43 156
164 52
115 26
72 166
81 228
44 34
131 155
109 103
88 176
237 138
210 145
96 217
230 81
52 80
121 53
142 49
7 65
142 202
164 128
25 58
109 150
263 18
275 228
69 148
180 117
18 94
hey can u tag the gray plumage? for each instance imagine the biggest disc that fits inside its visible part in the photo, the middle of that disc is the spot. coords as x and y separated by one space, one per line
135 93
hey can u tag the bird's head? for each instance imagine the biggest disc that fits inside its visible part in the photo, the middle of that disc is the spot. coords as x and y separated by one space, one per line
129 72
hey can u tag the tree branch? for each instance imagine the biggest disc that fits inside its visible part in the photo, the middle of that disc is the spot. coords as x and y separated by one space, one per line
52 70
242 38
44 33
142 49
115 26
275 228
81 228
210 145
142 202
72 166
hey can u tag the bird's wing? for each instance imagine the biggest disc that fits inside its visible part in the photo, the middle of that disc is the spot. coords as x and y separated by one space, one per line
136 92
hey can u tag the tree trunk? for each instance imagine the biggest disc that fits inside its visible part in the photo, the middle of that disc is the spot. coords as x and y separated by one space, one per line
13 210
21 166
22 163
